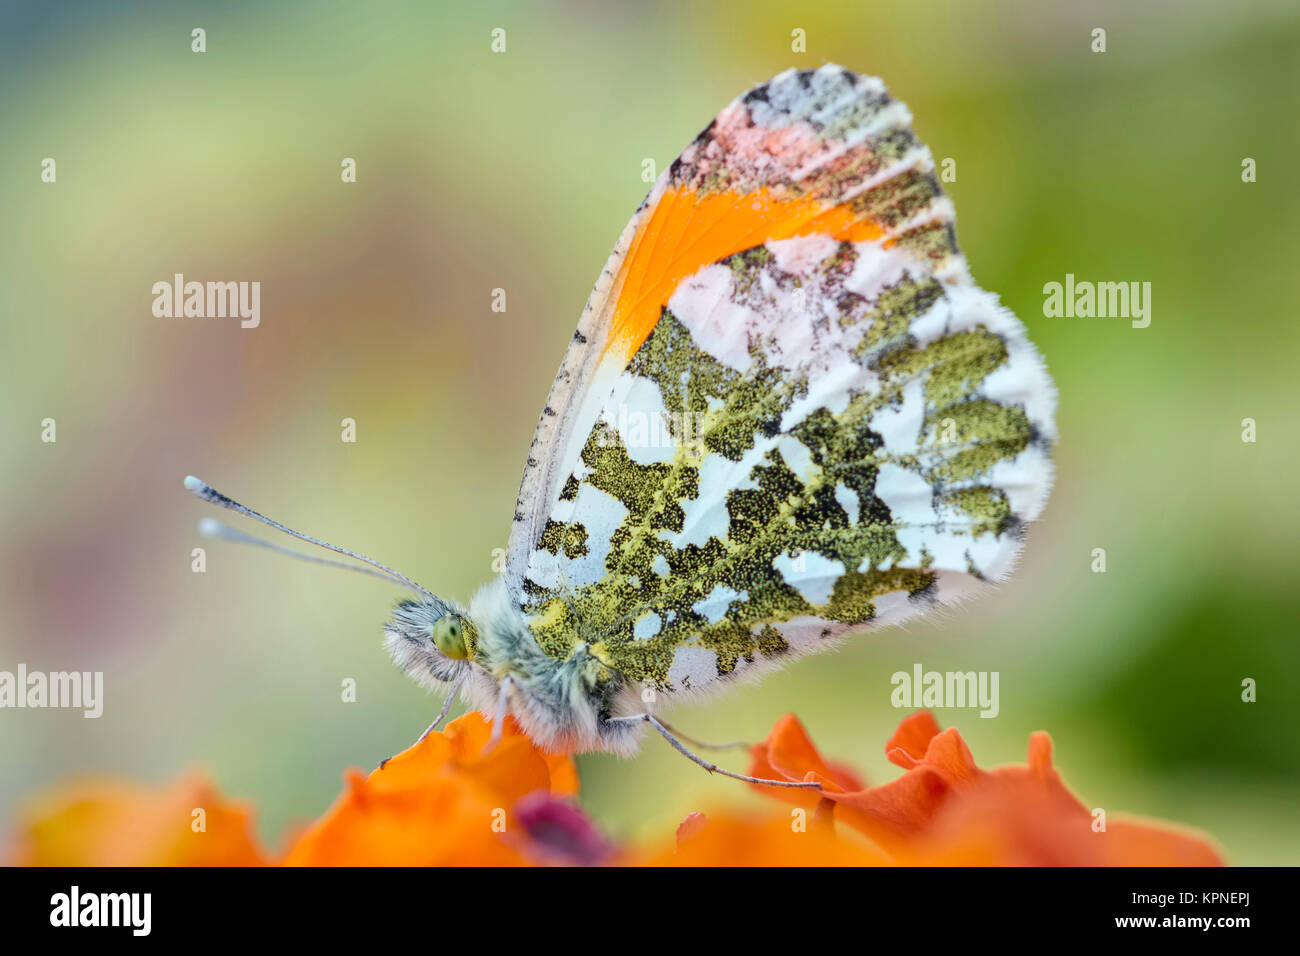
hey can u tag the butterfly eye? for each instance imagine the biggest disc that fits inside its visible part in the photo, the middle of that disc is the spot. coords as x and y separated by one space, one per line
449 636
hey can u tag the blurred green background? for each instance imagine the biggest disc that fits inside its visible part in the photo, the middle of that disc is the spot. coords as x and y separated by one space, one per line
518 171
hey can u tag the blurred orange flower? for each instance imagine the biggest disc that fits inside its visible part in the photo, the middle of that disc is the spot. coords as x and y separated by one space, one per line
106 823
446 802
945 810
730 840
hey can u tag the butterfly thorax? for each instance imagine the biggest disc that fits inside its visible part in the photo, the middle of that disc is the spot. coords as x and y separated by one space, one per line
562 703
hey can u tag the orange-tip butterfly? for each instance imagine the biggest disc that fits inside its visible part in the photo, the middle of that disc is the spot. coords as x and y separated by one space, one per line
788 415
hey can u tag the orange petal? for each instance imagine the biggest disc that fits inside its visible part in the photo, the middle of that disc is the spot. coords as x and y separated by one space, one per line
513 769
443 822
1012 821
949 756
728 841
789 754
1133 842
895 812
911 740
691 825
563 772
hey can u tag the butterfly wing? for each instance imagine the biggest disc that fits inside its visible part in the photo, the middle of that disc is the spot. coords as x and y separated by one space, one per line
788 412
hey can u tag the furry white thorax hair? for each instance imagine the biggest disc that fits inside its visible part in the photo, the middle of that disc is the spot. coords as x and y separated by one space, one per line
564 706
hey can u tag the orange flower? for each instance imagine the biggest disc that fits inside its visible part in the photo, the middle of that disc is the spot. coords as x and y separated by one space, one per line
441 802
446 802
945 810
103 823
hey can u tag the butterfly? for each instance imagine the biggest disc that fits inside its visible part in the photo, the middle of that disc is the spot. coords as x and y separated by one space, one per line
788 415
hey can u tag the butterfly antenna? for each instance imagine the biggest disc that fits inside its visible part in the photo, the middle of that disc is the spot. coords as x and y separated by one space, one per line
212 528
201 489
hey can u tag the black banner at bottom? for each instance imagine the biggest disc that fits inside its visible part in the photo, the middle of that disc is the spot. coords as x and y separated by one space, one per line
213 906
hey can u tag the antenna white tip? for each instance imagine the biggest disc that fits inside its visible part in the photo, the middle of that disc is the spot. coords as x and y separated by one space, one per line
204 491
210 527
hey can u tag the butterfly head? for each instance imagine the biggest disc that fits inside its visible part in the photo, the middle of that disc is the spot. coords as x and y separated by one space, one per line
432 640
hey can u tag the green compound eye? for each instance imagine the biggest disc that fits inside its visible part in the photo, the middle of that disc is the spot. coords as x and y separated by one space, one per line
449 636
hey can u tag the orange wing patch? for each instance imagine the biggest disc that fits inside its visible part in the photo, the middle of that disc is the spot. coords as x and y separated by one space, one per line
718 224
823 152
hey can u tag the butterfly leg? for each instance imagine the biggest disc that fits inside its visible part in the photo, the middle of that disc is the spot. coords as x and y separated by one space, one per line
696 758
442 715
733 745
446 707
499 721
